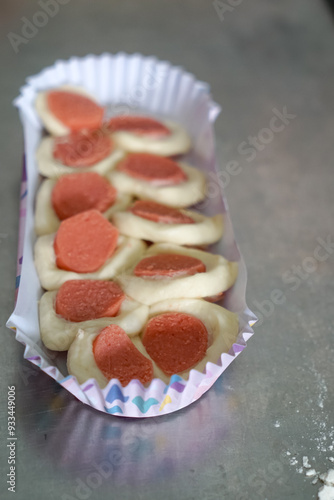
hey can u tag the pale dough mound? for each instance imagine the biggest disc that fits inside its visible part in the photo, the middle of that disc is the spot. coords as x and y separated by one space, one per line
221 324
185 194
204 231
178 142
46 219
58 333
50 122
53 168
51 277
220 275
80 358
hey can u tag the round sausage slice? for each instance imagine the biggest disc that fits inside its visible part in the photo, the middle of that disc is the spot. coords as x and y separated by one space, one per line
75 193
117 357
159 213
139 125
83 300
82 149
169 265
154 169
175 341
74 110
84 242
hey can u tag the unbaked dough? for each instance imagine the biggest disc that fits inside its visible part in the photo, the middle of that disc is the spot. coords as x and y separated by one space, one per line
80 358
51 277
204 231
220 275
46 219
50 122
53 168
178 142
184 194
58 333
222 326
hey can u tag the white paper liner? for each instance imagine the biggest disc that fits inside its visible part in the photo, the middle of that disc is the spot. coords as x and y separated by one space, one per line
126 83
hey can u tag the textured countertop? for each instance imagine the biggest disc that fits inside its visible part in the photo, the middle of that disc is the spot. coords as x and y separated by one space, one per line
245 438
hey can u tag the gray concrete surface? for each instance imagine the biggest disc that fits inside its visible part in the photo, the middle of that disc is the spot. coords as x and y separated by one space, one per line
246 438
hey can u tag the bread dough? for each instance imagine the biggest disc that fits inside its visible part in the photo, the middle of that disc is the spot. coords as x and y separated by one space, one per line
51 277
58 333
204 231
222 326
220 275
46 219
184 194
178 142
53 168
50 122
80 358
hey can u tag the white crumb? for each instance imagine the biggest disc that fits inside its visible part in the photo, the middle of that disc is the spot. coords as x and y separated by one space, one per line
306 463
328 477
326 493
311 473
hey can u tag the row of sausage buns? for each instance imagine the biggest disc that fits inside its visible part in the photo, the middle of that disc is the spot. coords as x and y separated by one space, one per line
130 285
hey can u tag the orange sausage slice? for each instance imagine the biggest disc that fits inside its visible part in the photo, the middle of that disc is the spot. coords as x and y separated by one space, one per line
159 213
82 149
83 300
175 341
75 111
168 265
139 125
117 357
84 242
75 193
153 169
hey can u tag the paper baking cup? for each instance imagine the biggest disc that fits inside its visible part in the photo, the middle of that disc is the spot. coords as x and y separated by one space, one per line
126 83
